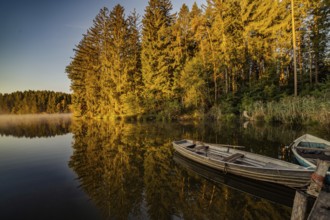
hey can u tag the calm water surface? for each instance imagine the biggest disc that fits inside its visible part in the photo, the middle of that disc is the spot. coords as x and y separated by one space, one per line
53 168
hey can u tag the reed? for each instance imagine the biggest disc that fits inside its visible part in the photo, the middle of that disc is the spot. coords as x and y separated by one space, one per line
293 110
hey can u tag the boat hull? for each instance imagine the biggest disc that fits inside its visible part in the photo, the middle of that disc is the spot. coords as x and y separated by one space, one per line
289 177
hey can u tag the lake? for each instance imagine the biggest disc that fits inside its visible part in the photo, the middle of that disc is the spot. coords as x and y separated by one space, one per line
52 167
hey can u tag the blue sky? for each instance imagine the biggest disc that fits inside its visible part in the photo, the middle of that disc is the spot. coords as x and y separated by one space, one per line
37 38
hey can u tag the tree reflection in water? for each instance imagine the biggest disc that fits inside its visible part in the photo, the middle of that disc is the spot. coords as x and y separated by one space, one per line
128 171
37 125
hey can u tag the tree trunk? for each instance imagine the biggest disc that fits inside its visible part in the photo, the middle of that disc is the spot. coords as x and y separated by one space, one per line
310 65
226 80
316 63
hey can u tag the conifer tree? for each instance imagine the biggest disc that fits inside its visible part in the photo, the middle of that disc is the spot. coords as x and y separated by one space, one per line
106 67
32 102
157 71
267 38
196 56
77 72
98 64
215 43
193 78
182 35
193 81
195 25
87 66
117 75
132 99
320 26
181 41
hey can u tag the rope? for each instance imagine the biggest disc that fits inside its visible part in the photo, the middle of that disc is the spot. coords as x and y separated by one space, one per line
318 179
225 168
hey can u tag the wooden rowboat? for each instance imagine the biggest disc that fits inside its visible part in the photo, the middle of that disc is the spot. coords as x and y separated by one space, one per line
227 159
307 149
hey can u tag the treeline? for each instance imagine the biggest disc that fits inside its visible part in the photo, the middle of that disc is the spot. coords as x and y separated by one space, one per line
199 60
31 102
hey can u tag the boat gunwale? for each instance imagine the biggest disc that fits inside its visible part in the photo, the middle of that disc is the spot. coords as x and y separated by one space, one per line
253 171
301 177
293 167
307 138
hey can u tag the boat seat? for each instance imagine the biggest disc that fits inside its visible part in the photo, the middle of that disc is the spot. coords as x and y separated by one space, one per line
203 147
188 145
233 157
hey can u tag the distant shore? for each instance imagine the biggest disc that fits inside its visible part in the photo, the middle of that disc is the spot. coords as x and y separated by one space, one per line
9 118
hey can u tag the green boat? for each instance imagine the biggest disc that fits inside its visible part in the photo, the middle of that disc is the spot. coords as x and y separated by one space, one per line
307 149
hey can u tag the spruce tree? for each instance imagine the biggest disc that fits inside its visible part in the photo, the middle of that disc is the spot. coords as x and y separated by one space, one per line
77 71
180 46
320 26
132 98
157 71
97 63
195 24
117 75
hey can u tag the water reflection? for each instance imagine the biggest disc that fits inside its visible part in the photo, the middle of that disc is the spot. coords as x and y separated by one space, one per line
272 192
204 199
32 126
128 171
122 167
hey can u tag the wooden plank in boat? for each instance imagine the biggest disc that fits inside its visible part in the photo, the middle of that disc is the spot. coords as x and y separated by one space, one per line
233 157
188 145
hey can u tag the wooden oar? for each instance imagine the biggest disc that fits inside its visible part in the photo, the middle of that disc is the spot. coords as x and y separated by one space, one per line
224 145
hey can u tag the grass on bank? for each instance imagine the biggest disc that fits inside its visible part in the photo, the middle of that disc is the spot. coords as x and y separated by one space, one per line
292 110
312 106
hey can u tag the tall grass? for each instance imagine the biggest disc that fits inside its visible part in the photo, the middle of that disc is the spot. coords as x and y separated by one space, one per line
293 110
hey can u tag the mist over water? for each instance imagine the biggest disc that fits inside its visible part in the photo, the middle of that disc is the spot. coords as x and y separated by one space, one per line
35 125
54 167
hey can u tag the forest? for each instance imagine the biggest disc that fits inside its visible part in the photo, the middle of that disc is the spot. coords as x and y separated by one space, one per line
32 102
215 60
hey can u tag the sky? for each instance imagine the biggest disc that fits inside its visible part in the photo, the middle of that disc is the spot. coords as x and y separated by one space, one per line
37 38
